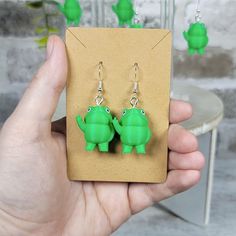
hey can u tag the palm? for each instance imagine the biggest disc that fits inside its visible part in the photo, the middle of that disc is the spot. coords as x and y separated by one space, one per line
43 179
35 192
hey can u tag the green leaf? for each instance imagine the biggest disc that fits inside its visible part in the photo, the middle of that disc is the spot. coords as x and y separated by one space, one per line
37 19
40 30
35 5
42 42
53 30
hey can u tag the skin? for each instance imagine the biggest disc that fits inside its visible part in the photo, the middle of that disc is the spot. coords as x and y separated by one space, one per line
36 197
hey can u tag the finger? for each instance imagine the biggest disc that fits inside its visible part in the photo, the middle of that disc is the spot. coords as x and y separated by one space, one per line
180 111
189 161
59 126
179 181
144 195
181 140
41 97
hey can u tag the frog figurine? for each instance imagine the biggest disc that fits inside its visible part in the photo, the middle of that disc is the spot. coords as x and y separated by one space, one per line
197 38
124 11
72 11
136 26
133 130
97 127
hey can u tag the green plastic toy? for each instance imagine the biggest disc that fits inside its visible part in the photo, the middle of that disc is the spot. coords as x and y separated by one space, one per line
72 11
124 11
136 21
97 127
133 130
197 38
136 26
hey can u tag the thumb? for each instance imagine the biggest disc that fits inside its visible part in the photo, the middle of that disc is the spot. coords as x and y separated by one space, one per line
40 99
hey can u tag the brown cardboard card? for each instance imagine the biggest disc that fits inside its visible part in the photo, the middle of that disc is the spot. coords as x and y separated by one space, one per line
119 49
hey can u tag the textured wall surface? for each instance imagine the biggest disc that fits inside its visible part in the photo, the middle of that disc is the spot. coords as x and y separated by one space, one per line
216 71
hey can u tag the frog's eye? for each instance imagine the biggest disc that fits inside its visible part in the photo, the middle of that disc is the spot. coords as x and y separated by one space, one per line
108 110
124 112
142 112
89 109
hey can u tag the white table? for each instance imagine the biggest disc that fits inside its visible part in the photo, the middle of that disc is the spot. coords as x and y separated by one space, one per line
194 204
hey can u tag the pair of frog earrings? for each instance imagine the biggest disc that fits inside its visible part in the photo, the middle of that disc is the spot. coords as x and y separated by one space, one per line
99 126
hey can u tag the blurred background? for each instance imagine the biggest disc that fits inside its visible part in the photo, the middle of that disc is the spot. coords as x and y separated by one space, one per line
24 29
216 71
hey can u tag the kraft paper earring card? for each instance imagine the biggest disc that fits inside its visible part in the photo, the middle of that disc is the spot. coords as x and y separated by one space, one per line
118 49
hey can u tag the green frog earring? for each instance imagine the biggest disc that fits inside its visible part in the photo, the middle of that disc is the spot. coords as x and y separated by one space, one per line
196 36
72 11
133 126
97 124
124 10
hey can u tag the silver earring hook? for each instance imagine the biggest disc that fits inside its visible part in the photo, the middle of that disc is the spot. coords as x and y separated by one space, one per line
99 98
198 12
100 65
134 99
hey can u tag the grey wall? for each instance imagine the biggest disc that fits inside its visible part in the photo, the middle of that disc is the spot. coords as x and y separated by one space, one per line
216 71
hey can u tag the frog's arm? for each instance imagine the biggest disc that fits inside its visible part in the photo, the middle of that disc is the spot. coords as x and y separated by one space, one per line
117 125
61 8
133 11
114 8
80 123
112 133
185 34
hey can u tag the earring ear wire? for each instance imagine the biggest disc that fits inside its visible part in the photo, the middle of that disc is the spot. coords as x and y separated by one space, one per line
134 99
198 12
99 99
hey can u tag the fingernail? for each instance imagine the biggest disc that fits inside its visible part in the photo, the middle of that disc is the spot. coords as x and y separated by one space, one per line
50 47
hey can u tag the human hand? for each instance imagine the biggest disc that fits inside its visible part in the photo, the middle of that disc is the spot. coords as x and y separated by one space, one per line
36 197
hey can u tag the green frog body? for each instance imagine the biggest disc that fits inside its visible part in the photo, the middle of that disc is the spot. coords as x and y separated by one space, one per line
133 130
197 38
97 128
124 11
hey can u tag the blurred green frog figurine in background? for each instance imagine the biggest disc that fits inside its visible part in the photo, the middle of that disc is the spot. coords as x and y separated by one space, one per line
72 11
124 11
197 38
